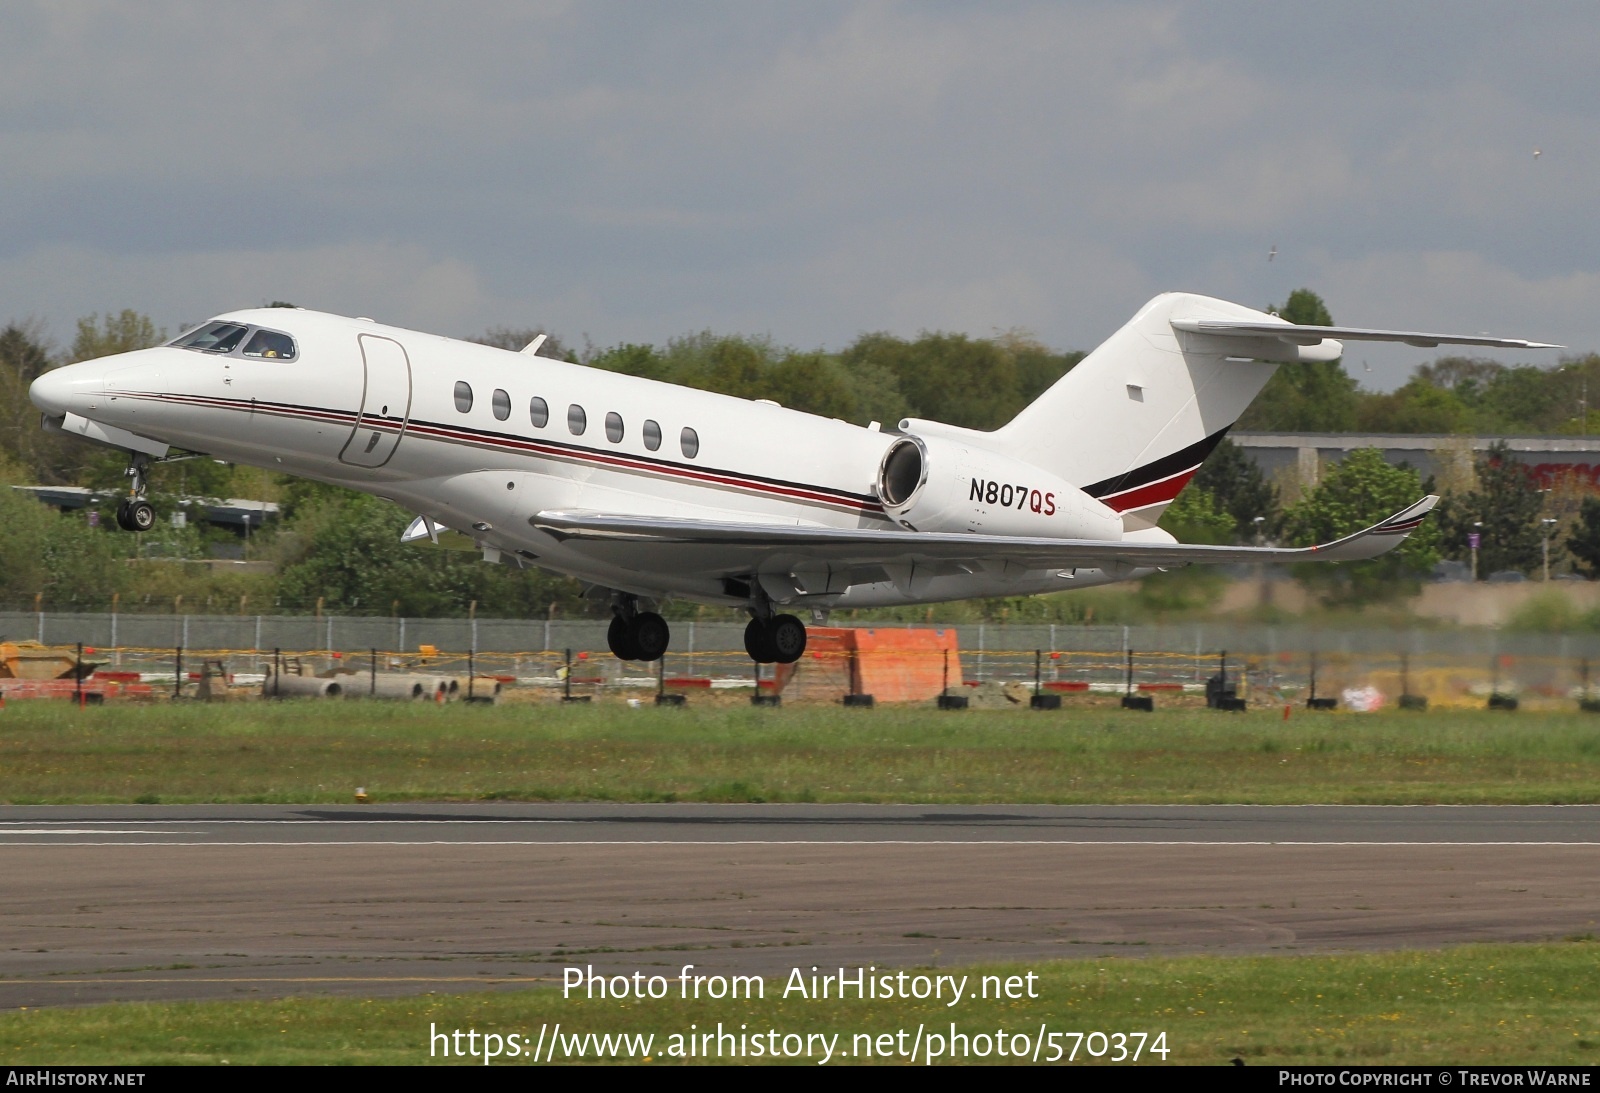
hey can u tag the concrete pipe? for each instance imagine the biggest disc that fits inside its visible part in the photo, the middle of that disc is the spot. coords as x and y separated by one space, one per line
433 687
287 686
391 685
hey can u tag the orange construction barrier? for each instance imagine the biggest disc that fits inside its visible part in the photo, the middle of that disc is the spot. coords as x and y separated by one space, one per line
891 664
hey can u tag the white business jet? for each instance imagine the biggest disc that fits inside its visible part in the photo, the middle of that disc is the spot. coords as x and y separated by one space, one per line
648 490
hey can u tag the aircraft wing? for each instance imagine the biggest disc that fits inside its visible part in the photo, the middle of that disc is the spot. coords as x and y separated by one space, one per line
1311 335
745 547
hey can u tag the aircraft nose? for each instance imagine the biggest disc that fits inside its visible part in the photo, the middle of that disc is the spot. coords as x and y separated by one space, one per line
56 391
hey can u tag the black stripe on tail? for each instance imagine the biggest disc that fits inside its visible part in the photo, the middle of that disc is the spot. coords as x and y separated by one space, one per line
1179 461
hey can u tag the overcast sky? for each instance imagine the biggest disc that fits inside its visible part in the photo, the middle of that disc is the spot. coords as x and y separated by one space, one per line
633 171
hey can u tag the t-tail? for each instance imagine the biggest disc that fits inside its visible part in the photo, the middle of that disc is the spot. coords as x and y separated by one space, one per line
1131 424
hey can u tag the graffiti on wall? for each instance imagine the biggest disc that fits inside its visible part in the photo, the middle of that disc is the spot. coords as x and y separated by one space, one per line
1549 476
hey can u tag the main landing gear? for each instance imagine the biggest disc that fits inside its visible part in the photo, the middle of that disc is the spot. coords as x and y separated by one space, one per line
635 634
780 639
134 513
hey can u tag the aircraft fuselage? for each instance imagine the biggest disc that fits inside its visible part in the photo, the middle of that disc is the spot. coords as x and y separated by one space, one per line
479 439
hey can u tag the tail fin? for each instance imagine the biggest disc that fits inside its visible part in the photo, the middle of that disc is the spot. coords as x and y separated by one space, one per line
1134 420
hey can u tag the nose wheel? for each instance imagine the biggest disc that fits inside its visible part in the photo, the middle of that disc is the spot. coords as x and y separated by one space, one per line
780 639
134 513
644 636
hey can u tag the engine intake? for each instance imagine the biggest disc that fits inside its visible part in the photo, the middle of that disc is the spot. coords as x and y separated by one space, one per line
905 469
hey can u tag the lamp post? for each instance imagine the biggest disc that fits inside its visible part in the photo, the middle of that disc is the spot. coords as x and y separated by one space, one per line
1549 524
1474 539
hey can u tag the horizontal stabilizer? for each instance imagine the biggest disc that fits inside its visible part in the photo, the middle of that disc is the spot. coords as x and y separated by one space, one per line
741 547
1295 334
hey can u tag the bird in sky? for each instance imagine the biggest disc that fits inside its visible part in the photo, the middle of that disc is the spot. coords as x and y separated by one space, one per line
1273 253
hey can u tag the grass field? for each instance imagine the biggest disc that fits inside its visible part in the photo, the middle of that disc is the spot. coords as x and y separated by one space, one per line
1462 1006
321 751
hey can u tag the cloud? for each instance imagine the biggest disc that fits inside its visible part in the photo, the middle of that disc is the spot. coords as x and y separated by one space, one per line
635 171
394 283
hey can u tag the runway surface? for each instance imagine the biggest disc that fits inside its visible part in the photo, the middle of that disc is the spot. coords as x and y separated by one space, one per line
124 902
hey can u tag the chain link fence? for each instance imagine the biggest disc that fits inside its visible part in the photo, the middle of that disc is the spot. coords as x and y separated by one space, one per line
1267 663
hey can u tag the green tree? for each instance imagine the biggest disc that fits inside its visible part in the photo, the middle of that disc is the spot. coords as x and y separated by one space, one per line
1307 396
1195 517
1476 395
813 382
755 368
1524 398
1240 489
1038 366
1583 542
632 359
123 332
24 527
57 554
345 549
951 378
42 457
1355 494
85 564
1418 407
1504 510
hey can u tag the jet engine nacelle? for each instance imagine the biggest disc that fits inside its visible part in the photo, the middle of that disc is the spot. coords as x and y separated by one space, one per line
934 484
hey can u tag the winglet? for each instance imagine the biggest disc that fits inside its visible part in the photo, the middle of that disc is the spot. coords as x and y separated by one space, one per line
1380 538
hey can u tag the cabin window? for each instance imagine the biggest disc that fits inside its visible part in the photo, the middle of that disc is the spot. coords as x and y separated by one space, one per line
271 344
652 434
689 441
463 396
214 338
614 427
577 420
538 412
501 402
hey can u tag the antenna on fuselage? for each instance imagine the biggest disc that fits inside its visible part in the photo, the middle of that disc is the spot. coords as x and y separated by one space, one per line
532 348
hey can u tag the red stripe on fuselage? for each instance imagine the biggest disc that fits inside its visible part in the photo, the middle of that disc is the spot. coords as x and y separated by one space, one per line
521 446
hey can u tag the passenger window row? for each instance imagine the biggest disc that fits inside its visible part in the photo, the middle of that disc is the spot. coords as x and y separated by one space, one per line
577 420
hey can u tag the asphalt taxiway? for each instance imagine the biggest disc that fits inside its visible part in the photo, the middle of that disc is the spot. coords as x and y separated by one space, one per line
124 902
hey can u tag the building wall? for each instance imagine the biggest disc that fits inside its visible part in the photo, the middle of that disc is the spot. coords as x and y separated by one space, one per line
1296 461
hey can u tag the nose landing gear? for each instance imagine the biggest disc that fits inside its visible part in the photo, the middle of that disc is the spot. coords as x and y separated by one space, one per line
134 513
635 634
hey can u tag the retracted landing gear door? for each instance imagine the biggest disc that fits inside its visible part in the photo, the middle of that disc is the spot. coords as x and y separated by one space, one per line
385 403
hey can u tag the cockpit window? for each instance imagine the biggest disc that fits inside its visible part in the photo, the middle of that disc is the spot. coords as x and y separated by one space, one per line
269 343
214 338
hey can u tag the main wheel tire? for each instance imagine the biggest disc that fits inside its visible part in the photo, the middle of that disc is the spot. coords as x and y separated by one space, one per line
136 515
758 642
651 634
620 636
786 636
